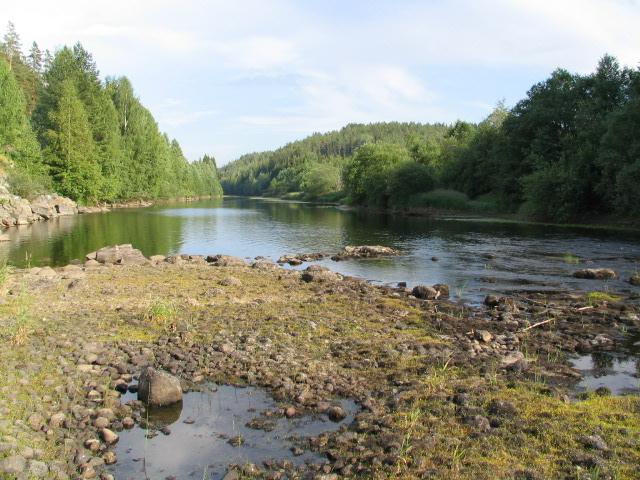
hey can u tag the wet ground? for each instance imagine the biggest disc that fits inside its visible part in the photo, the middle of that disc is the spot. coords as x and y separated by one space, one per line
215 428
619 371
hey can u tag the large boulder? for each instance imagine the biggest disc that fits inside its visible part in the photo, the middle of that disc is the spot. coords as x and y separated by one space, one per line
50 206
15 210
118 254
596 274
226 261
158 389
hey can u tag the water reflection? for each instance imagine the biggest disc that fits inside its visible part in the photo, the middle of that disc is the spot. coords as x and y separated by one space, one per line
199 430
475 256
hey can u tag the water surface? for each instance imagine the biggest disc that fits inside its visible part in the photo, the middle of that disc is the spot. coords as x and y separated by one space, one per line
475 255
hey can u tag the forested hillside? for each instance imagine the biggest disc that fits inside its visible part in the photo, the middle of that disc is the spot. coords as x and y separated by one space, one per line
314 166
570 149
62 128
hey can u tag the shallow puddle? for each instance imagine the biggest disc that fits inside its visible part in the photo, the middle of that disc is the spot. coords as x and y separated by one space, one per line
199 442
617 371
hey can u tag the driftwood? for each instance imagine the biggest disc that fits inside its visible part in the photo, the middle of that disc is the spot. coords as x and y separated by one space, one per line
537 324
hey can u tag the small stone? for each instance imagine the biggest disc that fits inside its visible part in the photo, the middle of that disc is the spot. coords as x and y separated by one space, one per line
128 422
109 458
290 412
483 335
101 422
336 413
502 407
38 469
595 442
236 441
13 465
56 420
93 444
491 301
35 421
108 436
424 292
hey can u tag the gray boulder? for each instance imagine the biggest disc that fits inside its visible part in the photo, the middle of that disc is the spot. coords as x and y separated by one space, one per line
119 254
158 389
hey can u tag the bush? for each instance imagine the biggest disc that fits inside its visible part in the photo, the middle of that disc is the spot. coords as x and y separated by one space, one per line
440 198
409 178
28 186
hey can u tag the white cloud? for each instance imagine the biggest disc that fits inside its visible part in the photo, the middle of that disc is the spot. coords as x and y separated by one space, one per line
257 53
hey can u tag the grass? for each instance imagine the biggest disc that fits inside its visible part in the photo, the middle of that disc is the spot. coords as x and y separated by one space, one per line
163 314
571 259
594 298
5 270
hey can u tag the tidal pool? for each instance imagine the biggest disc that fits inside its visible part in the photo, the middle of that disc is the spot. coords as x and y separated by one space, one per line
200 434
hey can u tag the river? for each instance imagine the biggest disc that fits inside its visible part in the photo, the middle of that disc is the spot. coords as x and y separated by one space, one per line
475 256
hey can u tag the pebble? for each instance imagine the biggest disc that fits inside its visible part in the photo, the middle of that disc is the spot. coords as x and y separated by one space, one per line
108 436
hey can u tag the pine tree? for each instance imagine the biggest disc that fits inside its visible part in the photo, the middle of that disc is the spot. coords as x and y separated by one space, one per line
35 58
71 151
11 45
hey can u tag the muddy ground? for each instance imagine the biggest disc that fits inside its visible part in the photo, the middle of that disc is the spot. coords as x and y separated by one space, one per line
443 390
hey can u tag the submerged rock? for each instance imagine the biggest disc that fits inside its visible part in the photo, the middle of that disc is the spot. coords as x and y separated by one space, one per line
596 274
158 389
635 279
364 251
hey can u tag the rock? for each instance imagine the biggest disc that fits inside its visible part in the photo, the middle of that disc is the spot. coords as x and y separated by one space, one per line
425 292
128 422
157 258
364 251
236 441
596 274
157 388
635 279
442 289
511 358
479 422
316 273
121 255
35 421
226 261
483 335
491 301
56 420
595 442
109 458
336 413
101 422
230 282
109 437
38 469
290 412
502 408
13 465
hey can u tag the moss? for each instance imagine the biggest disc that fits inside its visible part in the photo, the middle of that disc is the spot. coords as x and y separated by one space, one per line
599 297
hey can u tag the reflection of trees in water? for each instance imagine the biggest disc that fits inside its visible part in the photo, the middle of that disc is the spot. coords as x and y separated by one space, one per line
602 360
58 241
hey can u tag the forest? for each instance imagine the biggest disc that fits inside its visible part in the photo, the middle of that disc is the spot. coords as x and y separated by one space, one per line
569 150
64 129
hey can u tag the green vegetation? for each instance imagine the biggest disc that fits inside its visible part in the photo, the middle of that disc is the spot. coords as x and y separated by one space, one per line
62 128
600 297
567 151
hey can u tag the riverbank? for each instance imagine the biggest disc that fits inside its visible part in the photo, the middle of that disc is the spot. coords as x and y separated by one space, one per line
443 390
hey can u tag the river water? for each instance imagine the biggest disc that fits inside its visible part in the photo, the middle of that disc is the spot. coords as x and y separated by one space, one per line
475 256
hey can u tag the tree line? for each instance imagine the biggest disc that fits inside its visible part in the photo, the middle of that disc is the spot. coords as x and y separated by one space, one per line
570 149
62 128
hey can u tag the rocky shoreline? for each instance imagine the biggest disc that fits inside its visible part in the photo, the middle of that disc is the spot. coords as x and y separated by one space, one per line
444 390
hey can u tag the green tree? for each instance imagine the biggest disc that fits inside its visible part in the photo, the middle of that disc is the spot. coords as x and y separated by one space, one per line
70 151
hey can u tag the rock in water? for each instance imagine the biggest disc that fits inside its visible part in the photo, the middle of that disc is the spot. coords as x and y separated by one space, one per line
425 292
635 279
596 274
158 389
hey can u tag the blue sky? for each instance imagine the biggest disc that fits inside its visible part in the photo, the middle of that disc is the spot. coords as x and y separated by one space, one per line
231 77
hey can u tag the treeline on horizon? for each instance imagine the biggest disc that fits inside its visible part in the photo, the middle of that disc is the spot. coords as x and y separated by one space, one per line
569 150
63 129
